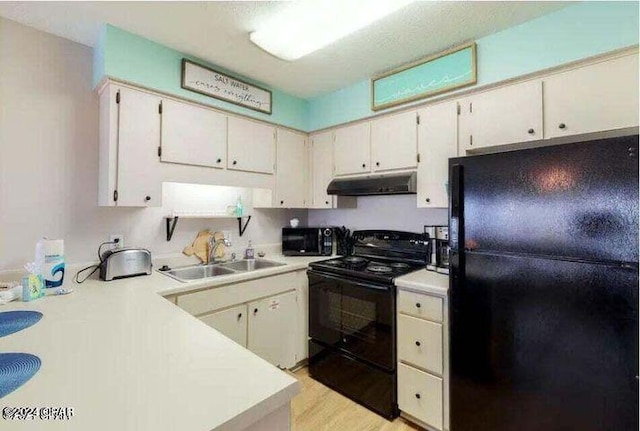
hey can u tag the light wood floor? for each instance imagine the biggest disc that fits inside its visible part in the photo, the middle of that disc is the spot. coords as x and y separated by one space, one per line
318 408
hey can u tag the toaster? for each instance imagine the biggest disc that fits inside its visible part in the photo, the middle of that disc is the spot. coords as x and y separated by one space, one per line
124 262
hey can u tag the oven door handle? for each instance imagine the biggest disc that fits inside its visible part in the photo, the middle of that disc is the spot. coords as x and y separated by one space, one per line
378 287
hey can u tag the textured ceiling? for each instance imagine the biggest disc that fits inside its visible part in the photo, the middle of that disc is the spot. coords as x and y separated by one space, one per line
218 32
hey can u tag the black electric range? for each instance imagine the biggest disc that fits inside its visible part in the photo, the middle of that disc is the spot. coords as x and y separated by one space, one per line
374 269
352 316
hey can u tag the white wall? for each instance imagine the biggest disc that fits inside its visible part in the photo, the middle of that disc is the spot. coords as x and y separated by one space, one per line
49 168
49 161
397 212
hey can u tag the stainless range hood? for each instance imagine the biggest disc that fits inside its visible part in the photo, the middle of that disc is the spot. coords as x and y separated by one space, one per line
397 184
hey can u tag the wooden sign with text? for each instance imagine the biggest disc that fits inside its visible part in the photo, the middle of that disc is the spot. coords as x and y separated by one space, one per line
446 71
210 82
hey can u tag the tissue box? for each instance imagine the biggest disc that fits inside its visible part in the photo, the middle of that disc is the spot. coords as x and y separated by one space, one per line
32 287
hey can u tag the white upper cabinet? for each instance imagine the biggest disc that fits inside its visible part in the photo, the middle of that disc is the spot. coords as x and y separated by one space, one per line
507 115
193 135
603 96
321 169
437 142
394 142
129 142
351 149
291 170
251 146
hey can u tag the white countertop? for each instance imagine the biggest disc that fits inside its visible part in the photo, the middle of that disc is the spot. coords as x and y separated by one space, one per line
423 281
125 358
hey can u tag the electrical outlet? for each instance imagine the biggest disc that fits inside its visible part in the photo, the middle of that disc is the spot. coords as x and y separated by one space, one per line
119 238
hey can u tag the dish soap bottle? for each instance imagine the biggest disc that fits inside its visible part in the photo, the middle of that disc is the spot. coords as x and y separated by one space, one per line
239 209
249 253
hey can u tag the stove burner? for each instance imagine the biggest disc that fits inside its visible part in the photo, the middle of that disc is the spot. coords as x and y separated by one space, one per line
381 269
399 265
354 260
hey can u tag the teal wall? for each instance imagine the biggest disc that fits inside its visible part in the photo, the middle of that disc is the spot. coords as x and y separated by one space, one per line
580 30
577 31
126 56
98 57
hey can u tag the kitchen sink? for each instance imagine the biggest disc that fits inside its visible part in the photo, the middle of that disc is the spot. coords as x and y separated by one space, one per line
197 272
200 271
251 264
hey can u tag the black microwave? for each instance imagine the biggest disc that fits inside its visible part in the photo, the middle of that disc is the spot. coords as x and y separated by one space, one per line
307 241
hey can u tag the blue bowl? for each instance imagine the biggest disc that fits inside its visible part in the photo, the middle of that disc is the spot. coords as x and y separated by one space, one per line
15 370
14 321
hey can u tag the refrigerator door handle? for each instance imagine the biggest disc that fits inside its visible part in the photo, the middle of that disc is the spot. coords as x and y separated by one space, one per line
456 216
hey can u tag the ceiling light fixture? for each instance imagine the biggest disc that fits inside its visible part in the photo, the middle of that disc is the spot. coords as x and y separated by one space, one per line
308 25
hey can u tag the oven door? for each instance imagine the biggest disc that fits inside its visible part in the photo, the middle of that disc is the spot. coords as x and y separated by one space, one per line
355 317
301 241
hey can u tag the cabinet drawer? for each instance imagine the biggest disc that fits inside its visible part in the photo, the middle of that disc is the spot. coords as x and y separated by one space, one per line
420 395
419 305
420 343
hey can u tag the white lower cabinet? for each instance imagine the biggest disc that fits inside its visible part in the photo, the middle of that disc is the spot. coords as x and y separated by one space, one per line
272 323
232 322
266 315
420 395
423 359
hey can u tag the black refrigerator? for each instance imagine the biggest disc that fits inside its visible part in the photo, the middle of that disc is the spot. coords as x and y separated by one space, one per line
544 288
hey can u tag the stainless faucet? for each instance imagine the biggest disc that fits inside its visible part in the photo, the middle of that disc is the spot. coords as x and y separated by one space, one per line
213 247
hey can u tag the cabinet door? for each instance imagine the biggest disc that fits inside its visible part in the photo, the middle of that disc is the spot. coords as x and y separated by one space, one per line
394 142
420 395
138 180
193 135
437 142
594 98
302 327
252 146
321 169
291 170
231 322
351 149
506 115
272 329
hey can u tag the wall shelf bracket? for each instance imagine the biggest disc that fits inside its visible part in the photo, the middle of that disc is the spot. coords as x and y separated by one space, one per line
171 226
172 221
241 228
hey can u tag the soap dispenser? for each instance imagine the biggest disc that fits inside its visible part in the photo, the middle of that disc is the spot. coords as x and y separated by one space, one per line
249 252
239 207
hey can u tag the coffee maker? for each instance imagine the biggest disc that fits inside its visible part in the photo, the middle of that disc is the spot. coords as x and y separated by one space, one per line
438 238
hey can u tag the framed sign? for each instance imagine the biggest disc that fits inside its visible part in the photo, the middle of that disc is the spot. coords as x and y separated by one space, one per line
437 74
210 82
